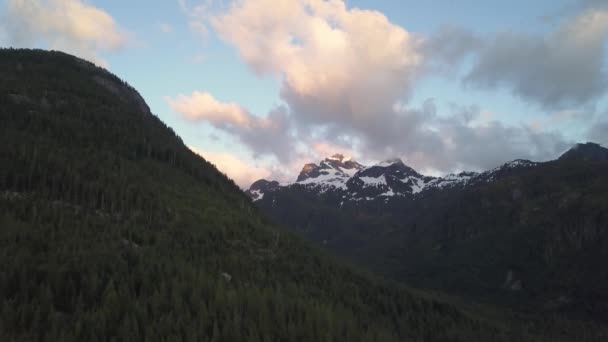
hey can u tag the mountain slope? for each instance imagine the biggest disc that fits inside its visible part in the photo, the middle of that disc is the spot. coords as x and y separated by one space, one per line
586 152
111 229
530 236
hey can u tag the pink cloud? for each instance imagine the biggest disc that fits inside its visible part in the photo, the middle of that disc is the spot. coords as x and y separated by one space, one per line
69 25
242 172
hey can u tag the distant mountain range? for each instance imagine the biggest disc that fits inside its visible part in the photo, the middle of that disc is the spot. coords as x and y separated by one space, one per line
353 182
525 234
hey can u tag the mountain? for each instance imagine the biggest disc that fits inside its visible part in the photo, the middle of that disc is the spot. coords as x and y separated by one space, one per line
525 235
588 152
346 182
112 229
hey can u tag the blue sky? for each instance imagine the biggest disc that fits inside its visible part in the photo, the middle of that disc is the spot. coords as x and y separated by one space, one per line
505 90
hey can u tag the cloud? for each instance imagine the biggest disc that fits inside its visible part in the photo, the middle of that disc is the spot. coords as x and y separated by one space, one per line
594 4
165 28
68 25
334 62
199 15
446 48
243 173
199 28
599 133
463 140
346 76
270 135
562 70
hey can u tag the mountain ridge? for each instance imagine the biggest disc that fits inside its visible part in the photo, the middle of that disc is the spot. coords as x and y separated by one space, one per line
370 183
351 186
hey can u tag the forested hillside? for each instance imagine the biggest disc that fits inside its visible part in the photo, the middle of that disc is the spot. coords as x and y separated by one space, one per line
111 229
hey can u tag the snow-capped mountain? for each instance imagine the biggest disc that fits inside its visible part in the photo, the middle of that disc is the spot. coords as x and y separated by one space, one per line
332 173
349 181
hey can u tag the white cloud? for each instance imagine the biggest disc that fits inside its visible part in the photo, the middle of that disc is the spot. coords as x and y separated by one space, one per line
346 75
165 28
199 14
338 62
242 172
202 106
68 25
269 135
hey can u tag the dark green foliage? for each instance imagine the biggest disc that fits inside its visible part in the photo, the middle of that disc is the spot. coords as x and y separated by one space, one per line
112 230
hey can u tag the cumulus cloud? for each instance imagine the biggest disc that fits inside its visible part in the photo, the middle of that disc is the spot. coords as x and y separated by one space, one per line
242 172
333 61
346 75
270 135
165 28
562 70
68 25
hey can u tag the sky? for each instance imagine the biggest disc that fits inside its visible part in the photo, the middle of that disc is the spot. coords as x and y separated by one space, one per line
261 87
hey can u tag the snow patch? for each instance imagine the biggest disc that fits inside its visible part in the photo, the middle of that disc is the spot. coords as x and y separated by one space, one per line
389 193
418 185
257 195
326 181
348 172
373 181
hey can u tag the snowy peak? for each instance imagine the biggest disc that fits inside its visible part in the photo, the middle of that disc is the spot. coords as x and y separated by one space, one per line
386 179
339 158
309 171
343 164
336 165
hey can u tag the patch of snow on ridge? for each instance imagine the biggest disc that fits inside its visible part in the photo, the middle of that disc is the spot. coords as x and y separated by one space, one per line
349 172
388 163
326 180
513 164
389 193
458 178
340 158
373 181
257 195
520 162
418 185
